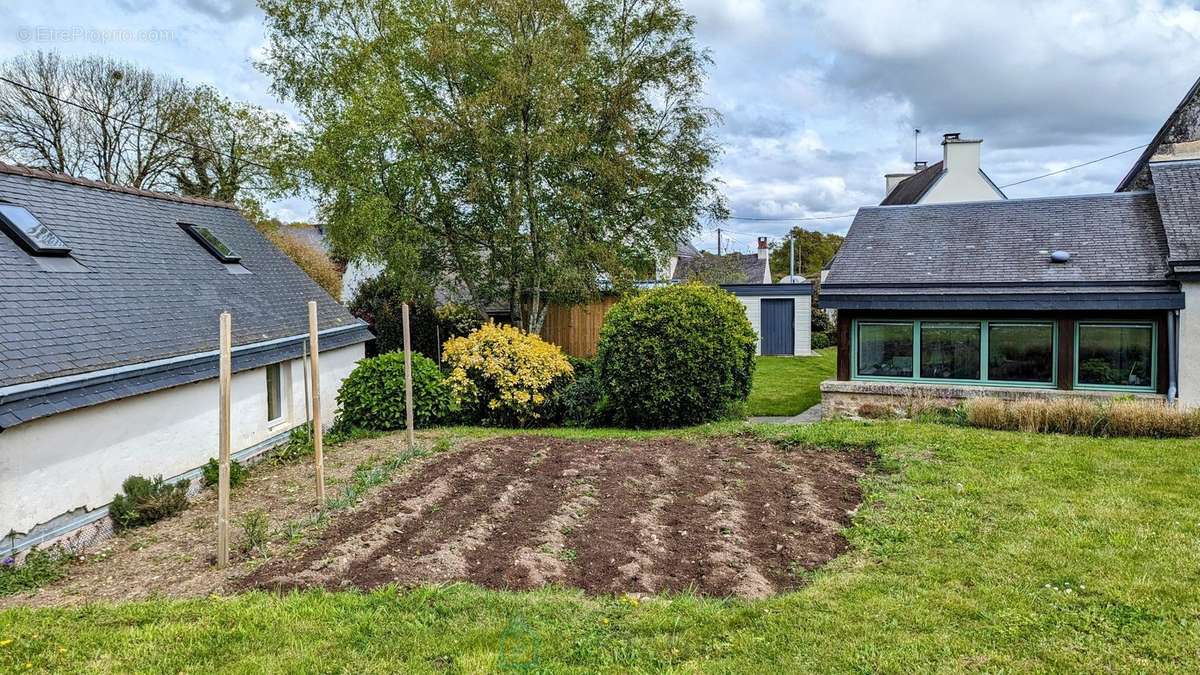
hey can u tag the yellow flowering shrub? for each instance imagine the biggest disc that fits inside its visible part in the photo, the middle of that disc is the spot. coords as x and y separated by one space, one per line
504 376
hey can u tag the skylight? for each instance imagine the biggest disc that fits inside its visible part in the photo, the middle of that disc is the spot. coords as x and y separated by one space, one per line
212 242
30 234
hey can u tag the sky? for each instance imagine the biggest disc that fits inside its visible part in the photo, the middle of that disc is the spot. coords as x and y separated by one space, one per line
818 100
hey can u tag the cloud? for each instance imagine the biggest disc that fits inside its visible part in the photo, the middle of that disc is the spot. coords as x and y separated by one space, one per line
222 10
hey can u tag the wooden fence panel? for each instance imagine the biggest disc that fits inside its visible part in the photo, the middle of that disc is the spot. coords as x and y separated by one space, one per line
576 328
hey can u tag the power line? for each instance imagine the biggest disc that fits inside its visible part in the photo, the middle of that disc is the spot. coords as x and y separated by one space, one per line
1069 168
779 220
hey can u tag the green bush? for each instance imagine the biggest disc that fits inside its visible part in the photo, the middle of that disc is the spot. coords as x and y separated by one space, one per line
211 471
41 566
379 302
675 356
372 397
146 500
821 340
579 401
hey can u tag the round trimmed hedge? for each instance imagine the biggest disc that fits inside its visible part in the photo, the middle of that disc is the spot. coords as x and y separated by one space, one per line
675 356
372 397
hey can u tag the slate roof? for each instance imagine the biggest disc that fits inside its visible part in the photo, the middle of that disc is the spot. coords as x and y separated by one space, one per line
1177 189
754 268
1116 241
911 189
1183 124
147 290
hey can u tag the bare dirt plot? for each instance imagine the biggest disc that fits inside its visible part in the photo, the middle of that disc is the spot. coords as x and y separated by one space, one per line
718 516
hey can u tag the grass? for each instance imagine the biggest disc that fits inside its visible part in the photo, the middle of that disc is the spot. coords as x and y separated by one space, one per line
788 385
974 550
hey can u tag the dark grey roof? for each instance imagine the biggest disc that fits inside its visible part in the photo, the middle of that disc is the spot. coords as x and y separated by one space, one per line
1177 188
1116 243
1183 124
148 291
749 264
911 189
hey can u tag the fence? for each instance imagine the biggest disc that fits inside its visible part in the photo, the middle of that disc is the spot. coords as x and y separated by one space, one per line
576 328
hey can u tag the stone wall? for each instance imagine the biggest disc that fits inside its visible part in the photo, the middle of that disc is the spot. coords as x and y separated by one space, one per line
859 399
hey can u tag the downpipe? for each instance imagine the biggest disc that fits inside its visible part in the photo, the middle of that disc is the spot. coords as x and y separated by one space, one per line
1172 356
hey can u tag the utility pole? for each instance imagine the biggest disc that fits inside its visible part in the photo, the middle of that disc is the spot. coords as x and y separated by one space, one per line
718 241
792 255
916 133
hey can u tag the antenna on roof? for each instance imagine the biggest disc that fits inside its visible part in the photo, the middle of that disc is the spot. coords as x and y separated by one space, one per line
916 133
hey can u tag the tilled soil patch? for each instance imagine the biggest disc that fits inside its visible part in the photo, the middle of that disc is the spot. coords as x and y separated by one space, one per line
719 516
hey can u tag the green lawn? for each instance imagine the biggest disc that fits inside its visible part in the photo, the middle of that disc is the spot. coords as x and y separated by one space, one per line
975 550
787 385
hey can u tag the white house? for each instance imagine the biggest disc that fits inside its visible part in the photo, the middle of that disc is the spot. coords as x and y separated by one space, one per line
109 335
957 178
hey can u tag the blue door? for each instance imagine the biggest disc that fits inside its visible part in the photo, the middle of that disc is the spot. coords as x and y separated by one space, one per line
778 327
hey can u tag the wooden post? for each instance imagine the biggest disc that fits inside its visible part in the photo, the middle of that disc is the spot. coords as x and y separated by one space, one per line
313 360
408 402
226 371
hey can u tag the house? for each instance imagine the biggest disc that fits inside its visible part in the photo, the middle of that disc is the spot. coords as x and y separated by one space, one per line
732 267
1090 294
957 178
109 338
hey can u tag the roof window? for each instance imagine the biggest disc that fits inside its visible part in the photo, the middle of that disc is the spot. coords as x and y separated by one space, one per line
209 240
29 233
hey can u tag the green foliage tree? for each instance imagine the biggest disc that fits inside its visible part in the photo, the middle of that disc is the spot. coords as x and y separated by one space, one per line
524 149
372 397
814 250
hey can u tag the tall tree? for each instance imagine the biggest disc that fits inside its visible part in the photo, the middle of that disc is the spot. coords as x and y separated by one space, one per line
36 127
814 250
525 150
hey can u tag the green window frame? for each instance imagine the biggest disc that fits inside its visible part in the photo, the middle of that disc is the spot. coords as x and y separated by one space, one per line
1152 325
984 326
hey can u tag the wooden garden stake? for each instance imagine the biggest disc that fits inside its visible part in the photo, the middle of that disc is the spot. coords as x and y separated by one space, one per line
226 370
315 351
408 403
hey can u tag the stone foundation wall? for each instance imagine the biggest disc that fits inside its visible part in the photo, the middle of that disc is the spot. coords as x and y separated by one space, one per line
858 399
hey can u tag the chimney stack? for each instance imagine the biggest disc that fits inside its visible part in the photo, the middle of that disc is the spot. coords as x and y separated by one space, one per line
920 166
961 155
764 251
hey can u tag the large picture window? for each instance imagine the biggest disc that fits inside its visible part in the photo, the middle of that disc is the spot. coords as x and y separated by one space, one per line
999 352
885 349
1021 352
1115 355
950 351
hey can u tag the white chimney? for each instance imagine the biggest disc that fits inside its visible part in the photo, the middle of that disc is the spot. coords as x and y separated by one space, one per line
891 180
961 155
763 251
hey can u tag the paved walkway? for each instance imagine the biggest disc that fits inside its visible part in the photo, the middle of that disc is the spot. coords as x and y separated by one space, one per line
809 416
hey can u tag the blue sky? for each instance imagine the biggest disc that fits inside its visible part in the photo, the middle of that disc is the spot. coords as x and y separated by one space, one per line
819 99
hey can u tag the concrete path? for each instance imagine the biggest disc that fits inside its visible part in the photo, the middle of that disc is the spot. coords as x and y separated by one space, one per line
809 416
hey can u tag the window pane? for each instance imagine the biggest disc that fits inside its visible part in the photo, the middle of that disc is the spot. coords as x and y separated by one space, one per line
885 349
1021 352
1116 355
950 351
274 392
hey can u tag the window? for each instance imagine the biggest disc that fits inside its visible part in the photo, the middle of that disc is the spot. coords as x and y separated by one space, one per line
209 240
950 351
1021 352
274 393
982 351
885 349
1117 355
29 233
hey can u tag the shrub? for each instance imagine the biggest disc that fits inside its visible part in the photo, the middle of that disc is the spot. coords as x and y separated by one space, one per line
580 400
1149 418
372 397
821 340
675 356
315 262
501 375
146 500
379 302
210 473
987 413
299 444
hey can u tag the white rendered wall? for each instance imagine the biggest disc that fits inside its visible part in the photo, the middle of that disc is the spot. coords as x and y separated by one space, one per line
803 322
1189 345
962 180
79 459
